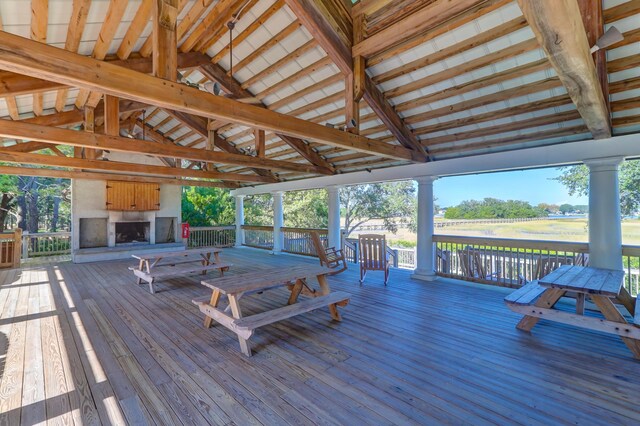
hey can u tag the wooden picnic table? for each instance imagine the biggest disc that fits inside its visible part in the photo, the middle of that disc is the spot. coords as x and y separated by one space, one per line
603 286
177 263
295 278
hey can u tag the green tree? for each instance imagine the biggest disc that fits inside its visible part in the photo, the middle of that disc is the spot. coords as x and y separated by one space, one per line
565 208
202 206
576 179
8 191
549 208
258 210
394 203
306 209
492 208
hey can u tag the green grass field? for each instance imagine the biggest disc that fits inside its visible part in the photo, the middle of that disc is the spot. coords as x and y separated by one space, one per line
552 229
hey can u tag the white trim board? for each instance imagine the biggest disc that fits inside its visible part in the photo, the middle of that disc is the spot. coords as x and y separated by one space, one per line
555 155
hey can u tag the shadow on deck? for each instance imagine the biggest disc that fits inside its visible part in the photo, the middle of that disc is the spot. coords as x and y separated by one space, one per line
84 344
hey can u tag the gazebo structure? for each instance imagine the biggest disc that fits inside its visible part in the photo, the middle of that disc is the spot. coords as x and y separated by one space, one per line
134 99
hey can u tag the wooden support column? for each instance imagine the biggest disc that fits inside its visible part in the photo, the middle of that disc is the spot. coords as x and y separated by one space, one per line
111 115
165 44
356 81
260 142
89 126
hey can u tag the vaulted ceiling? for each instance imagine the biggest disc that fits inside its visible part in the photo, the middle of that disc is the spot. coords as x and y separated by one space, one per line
424 80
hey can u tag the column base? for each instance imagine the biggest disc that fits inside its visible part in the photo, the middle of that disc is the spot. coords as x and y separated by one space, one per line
423 275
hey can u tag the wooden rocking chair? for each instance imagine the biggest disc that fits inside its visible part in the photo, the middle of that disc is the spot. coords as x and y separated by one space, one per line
373 256
330 257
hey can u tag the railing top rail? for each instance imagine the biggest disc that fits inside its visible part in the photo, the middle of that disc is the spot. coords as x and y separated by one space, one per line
514 243
629 250
212 228
48 234
292 229
257 227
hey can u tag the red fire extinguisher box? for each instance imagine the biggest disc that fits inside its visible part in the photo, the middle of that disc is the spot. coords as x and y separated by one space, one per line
185 230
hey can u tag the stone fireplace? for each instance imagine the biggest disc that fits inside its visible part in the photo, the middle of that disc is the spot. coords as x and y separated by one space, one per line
132 228
102 234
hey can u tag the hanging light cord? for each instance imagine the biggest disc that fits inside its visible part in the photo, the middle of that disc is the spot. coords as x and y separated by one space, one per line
231 25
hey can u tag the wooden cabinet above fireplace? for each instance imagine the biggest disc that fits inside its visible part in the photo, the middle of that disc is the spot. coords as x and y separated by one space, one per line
132 196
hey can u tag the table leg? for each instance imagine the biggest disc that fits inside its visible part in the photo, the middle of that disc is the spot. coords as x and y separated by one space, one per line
295 292
548 300
215 299
611 313
324 290
140 266
245 346
580 298
627 301
206 261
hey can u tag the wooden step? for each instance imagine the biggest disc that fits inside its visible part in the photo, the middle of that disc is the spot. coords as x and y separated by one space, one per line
258 320
526 295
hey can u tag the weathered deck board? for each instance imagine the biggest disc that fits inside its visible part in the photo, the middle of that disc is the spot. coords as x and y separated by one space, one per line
83 344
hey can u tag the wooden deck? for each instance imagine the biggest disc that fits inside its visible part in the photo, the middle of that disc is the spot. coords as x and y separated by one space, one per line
82 344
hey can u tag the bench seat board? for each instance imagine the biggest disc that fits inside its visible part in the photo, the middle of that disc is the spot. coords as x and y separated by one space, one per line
171 271
593 323
178 253
526 295
258 320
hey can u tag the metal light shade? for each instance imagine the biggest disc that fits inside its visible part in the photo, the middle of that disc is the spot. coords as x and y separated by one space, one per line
611 37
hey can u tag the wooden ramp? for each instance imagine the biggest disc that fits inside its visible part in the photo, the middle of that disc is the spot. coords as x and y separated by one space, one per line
81 344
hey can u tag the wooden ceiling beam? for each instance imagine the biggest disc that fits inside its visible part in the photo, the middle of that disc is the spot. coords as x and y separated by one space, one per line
116 166
504 128
314 17
199 125
230 85
165 43
422 20
13 84
558 26
455 49
77 174
511 140
43 61
518 91
57 136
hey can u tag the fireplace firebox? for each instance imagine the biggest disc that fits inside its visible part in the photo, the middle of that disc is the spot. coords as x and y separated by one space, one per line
132 233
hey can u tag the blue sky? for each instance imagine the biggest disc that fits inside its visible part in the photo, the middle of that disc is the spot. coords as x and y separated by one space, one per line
534 186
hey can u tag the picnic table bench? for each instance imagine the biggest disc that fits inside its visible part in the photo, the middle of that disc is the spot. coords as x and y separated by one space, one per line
602 286
177 263
295 279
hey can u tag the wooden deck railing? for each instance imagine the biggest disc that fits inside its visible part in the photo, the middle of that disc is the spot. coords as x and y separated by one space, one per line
10 249
258 236
298 240
631 265
45 244
503 261
212 236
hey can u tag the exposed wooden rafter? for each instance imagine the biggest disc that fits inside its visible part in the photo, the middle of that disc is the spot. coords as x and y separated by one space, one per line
57 136
14 84
338 48
558 26
199 125
42 61
77 174
230 85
